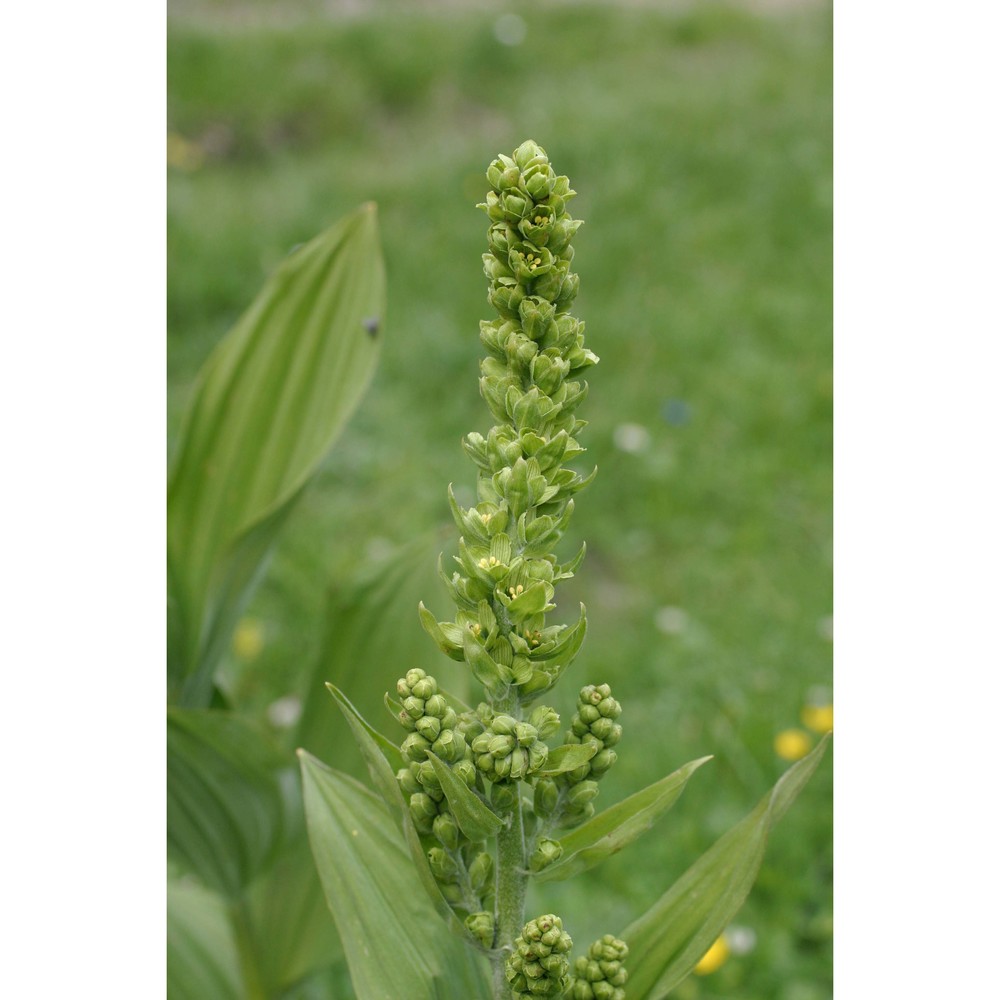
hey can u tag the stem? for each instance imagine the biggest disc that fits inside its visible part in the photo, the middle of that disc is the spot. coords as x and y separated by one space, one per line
253 984
512 883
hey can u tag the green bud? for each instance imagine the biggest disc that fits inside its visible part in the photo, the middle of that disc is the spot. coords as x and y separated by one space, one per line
449 746
528 150
600 763
545 853
538 965
601 974
446 830
481 870
466 770
545 720
436 706
481 926
583 793
429 728
423 809
503 174
525 733
413 706
546 797
503 797
415 747
408 782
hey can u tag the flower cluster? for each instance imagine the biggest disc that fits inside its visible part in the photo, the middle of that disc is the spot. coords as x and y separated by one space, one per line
507 571
538 966
601 974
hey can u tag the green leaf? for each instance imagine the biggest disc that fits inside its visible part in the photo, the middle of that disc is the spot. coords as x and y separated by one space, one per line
670 938
268 405
387 786
608 832
395 945
224 800
568 757
202 959
475 819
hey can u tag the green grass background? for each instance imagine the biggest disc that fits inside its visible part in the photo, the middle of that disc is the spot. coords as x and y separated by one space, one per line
699 140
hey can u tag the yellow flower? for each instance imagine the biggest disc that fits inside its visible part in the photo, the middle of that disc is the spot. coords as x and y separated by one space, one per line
818 718
248 639
792 744
712 958
182 153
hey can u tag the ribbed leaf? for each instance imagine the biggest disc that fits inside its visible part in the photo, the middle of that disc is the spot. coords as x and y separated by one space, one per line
395 945
568 757
202 960
669 939
608 832
269 403
224 802
474 817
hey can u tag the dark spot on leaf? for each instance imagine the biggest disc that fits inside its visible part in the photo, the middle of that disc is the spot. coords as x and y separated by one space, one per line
371 326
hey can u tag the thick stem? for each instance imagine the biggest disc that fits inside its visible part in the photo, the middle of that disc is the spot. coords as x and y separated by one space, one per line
512 883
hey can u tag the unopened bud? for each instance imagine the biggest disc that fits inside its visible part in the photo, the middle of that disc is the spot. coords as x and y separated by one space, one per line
481 926
545 853
446 830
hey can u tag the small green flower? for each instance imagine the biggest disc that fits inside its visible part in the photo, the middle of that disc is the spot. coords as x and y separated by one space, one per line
546 852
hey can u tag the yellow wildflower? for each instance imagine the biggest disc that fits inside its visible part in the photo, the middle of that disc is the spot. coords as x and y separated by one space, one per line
818 718
712 958
792 744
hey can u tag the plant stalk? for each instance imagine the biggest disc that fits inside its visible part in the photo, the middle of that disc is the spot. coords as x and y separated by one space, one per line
512 883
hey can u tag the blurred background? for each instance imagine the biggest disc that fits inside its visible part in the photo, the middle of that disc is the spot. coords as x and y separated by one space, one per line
699 139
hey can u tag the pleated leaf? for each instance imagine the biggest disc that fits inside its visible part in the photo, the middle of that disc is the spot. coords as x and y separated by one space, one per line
396 946
224 800
667 941
202 960
609 831
269 403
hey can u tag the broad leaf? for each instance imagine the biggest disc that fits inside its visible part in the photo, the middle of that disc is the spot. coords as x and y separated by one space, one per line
395 945
202 960
568 757
224 800
269 403
608 832
474 817
670 938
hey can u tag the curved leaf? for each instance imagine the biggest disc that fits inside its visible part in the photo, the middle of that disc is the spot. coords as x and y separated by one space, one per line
670 938
608 832
568 757
269 404
474 817
202 960
395 945
224 800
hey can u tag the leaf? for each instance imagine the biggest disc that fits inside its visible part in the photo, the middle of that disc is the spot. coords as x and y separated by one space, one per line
269 404
387 786
224 800
670 938
395 945
475 819
568 757
487 671
608 832
202 960
564 651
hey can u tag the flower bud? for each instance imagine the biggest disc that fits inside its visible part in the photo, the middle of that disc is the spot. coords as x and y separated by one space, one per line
528 150
546 797
503 173
601 974
446 830
408 782
481 926
503 797
466 770
601 761
545 720
423 809
545 853
429 728
415 747
436 706
481 870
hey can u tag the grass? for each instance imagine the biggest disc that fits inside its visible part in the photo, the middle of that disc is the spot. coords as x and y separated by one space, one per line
700 143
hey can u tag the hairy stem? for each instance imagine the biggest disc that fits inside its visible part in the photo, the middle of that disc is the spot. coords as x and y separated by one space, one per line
512 882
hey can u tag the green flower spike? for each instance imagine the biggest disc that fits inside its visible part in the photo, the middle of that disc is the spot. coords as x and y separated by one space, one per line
509 750
601 975
595 722
539 966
